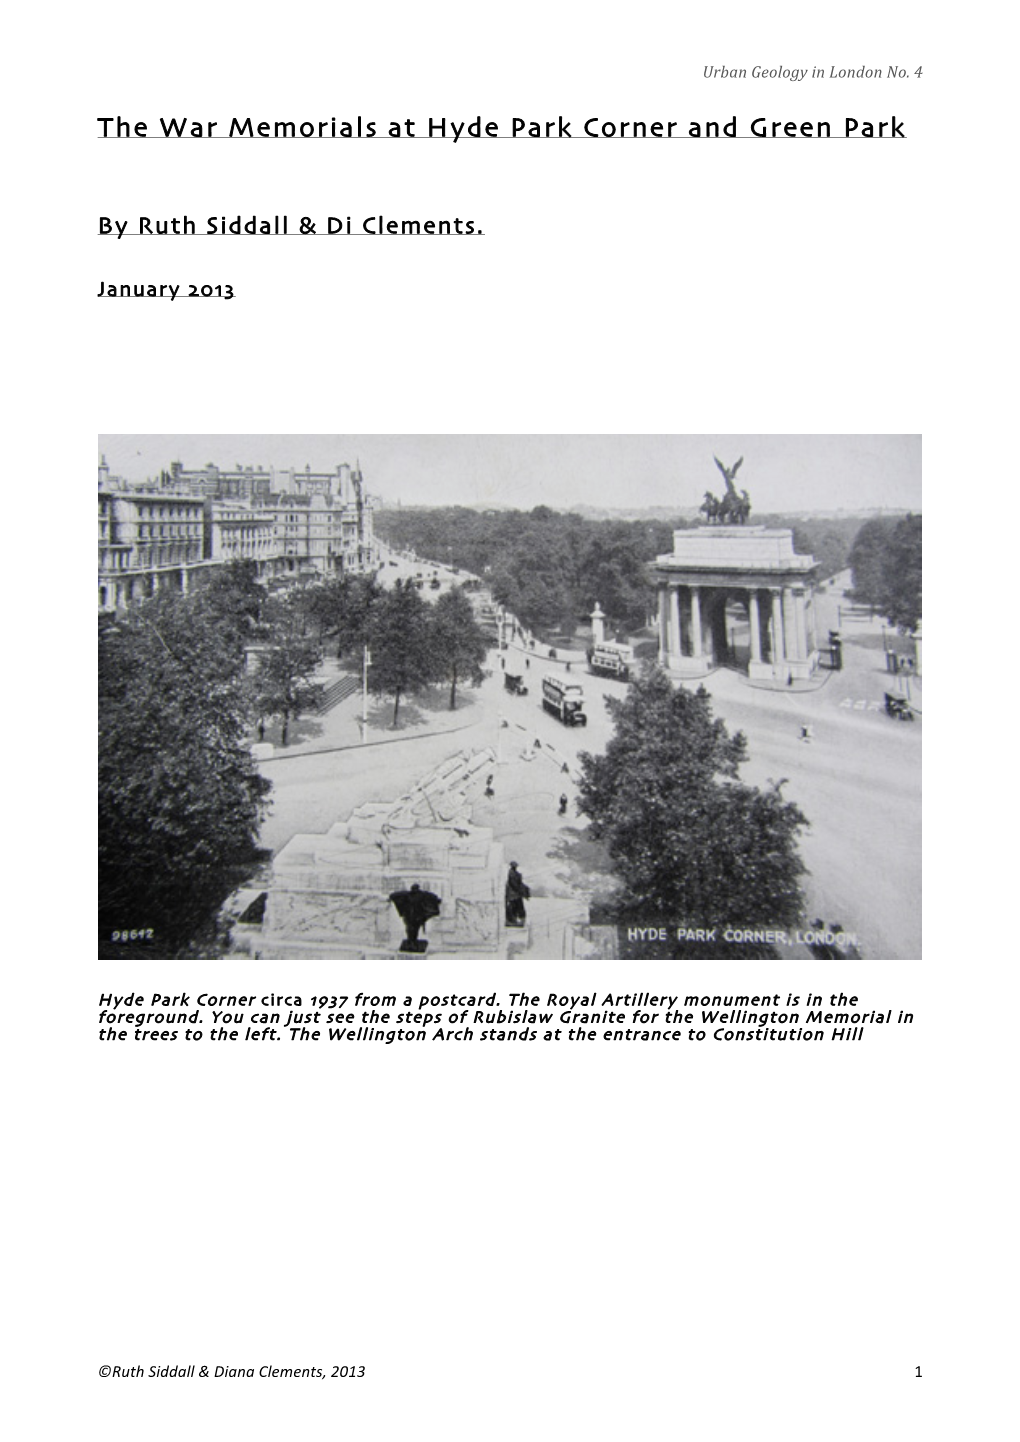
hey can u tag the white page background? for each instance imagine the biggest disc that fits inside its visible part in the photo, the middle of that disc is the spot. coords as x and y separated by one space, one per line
591 1241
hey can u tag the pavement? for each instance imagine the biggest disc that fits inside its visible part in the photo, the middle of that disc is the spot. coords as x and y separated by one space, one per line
858 779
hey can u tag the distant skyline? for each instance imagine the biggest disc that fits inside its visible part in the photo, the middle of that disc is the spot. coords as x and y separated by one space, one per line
781 473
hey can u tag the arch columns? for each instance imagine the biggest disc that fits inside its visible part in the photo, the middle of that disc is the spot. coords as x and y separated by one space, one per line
754 621
697 642
676 647
800 616
681 630
781 641
778 647
710 563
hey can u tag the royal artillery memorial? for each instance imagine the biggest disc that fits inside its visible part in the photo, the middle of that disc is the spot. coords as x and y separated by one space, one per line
329 896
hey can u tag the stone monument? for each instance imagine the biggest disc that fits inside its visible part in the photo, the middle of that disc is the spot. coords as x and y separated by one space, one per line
329 895
748 569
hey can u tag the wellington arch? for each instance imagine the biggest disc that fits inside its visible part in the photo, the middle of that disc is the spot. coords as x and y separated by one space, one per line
713 572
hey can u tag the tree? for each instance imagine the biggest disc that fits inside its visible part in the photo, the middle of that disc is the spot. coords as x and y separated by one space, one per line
233 599
458 644
399 640
341 606
886 562
901 601
532 578
867 562
691 844
614 573
288 658
180 799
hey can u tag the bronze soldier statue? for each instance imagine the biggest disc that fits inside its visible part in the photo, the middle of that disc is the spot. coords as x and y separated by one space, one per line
517 892
415 908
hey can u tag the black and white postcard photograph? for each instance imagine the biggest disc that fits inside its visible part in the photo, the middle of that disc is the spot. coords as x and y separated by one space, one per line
516 433
552 698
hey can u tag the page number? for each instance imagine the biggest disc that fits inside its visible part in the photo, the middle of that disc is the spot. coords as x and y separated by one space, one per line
919 1371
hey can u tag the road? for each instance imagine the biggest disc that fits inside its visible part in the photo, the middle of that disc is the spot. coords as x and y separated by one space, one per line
858 780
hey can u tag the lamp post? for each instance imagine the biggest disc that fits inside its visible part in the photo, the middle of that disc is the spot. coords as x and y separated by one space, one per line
366 661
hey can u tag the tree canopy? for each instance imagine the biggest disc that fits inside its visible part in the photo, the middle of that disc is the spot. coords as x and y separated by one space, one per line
457 642
288 658
691 844
232 598
886 563
340 607
400 644
902 600
180 799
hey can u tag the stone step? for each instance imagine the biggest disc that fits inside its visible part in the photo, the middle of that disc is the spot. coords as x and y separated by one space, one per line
518 941
263 948
337 692
545 937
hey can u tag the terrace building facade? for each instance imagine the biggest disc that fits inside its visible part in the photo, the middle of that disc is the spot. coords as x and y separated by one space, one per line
149 541
157 537
235 532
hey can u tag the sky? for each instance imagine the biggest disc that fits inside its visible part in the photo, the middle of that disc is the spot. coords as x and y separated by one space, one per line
781 473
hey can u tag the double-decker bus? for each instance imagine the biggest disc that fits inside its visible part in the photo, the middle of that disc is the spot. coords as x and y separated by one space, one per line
564 699
609 658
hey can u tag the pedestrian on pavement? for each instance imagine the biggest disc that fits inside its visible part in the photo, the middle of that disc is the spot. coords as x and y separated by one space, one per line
563 804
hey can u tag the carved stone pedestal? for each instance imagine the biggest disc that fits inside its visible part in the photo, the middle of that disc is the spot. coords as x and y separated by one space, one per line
329 896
